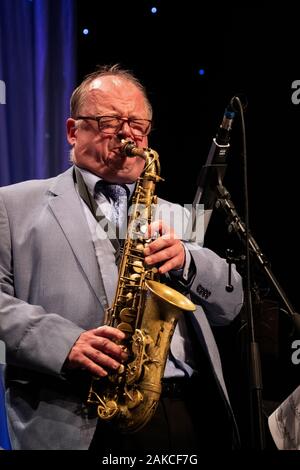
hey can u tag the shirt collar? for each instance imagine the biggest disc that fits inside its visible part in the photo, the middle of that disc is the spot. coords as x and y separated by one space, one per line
91 179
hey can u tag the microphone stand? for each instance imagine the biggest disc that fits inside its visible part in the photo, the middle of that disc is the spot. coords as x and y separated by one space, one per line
221 198
236 225
212 193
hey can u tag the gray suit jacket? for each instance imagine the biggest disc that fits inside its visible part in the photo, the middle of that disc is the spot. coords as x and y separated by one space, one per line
51 290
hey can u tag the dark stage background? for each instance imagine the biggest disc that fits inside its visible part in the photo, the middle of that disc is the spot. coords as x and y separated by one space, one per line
250 51
243 50
247 51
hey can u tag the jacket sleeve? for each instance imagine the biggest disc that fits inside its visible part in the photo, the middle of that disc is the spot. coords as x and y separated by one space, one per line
207 288
207 272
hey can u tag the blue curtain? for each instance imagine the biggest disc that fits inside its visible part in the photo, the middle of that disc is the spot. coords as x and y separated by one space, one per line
37 76
4 436
37 68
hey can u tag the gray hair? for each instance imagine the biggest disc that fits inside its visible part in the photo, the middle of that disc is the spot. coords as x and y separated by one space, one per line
79 94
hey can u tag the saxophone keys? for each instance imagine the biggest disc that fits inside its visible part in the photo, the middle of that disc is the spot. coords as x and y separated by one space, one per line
144 228
134 279
107 411
129 298
127 315
139 247
125 327
135 397
121 369
140 227
138 266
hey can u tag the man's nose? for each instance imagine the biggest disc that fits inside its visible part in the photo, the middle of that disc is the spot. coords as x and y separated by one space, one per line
125 130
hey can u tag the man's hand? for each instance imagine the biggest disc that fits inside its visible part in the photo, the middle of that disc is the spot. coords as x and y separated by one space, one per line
96 351
167 249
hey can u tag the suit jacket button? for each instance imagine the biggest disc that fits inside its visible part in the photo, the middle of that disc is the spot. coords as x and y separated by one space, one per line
200 289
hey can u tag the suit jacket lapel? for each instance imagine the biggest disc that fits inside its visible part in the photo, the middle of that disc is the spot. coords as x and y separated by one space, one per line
66 207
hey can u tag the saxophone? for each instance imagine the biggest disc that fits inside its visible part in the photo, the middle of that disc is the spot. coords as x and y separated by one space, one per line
144 309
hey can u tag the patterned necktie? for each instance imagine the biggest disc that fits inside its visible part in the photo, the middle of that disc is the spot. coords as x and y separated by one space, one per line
116 194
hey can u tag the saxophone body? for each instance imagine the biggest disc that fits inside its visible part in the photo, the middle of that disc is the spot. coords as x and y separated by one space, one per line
145 310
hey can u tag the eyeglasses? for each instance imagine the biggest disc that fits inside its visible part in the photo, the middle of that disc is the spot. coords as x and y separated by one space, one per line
113 124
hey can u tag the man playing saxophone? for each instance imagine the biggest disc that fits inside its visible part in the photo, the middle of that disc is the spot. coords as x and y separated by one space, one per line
59 261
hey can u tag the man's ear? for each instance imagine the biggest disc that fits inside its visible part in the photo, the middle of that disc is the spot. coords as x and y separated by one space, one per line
71 131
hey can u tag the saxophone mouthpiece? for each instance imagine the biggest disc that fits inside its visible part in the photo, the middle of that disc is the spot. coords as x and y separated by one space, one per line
128 149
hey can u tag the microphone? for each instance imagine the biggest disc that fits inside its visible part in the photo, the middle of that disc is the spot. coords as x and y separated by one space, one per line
212 173
128 149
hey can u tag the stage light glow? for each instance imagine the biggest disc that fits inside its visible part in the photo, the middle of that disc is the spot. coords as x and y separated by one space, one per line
201 71
85 31
154 10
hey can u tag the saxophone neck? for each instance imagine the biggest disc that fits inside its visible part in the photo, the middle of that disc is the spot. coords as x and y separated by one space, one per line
128 149
151 157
